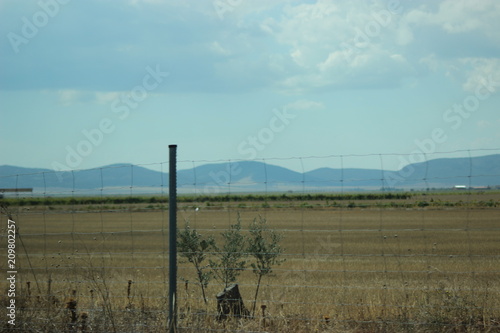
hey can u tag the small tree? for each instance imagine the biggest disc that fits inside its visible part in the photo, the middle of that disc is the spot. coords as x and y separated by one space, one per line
263 246
194 248
230 258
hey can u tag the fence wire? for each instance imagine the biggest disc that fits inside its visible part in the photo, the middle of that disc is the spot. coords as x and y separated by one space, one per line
359 250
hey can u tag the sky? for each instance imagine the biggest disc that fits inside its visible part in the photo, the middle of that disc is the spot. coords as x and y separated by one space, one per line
90 83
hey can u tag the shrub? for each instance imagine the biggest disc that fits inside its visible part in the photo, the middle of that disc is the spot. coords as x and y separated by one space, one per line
230 260
194 248
263 246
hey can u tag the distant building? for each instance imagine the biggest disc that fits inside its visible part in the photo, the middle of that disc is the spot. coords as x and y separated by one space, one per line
459 187
3 190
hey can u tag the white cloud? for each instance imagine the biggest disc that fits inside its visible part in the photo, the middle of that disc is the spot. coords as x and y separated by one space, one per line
106 97
431 62
69 97
482 72
216 48
456 16
304 104
484 124
334 59
460 16
290 46
333 45
403 34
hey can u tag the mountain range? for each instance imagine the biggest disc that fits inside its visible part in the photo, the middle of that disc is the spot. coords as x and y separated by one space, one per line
254 176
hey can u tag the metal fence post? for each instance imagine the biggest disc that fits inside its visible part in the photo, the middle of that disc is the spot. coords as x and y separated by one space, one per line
172 207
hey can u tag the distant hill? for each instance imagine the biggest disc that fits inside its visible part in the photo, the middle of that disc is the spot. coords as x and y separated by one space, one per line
116 175
254 176
476 171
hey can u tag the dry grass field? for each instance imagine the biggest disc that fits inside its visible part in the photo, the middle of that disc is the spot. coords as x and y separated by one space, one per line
368 268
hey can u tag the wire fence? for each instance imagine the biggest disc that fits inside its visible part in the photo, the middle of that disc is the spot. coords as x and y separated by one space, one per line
328 244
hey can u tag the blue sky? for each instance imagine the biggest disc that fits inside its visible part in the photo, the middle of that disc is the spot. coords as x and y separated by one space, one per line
89 83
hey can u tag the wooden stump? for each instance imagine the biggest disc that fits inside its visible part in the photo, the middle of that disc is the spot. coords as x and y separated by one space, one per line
230 303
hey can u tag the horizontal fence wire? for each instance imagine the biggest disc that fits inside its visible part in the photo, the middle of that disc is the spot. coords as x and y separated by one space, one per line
409 243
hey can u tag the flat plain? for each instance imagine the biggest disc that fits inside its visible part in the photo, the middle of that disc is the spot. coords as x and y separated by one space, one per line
353 266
